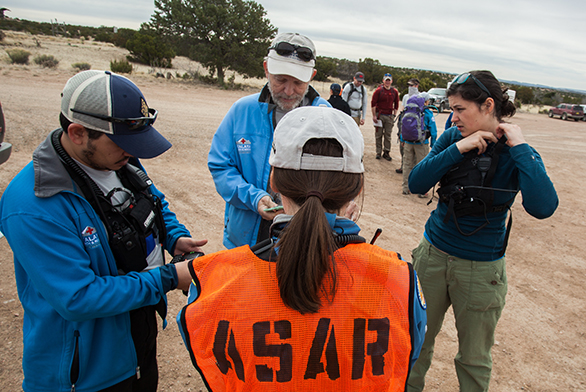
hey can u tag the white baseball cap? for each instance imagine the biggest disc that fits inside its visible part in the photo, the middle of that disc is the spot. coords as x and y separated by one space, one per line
292 54
317 122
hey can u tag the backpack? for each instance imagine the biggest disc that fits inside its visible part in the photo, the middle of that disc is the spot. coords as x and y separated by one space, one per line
412 124
352 89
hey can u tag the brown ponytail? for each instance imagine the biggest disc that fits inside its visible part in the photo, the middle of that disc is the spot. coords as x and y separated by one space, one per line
307 245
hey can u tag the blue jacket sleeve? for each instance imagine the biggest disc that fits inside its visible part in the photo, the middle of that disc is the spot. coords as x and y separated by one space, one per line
61 271
419 319
431 126
224 162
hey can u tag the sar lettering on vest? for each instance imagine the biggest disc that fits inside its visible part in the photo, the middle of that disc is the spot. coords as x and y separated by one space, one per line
273 339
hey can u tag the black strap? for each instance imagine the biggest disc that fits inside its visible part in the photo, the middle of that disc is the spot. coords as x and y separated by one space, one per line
265 250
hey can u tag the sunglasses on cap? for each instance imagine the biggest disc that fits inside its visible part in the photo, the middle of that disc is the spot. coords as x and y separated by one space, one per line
286 49
131 123
388 75
462 78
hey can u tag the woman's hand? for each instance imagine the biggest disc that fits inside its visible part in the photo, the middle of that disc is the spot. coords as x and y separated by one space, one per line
513 133
479 140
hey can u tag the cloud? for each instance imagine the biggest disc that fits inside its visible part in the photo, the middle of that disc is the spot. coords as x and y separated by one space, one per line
528 41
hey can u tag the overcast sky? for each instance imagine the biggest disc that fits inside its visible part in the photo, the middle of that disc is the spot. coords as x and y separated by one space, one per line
536 41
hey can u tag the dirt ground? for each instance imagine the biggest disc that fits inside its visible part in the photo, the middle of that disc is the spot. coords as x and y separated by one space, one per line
540 338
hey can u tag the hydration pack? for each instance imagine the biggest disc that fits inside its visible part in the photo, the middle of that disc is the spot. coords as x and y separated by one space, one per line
467 188
412 124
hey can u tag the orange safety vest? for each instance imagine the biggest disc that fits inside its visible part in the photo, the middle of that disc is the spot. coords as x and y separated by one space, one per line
242 337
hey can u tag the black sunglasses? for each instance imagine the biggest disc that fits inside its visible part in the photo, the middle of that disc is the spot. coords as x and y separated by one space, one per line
462 78
285 49
132 123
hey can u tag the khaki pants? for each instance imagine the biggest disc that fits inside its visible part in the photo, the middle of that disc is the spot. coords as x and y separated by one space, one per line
384 132
476 290
412 155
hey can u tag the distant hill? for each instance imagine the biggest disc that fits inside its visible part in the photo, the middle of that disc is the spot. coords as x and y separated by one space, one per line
533 85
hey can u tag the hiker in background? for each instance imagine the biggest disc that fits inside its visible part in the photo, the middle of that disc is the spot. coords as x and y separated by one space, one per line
384 104
415 150
238 157
413 89
336 100
355 94
315 307
481 164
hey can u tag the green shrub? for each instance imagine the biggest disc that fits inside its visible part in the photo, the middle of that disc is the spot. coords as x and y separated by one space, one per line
121 66
46 61
18 56
81 66
147 48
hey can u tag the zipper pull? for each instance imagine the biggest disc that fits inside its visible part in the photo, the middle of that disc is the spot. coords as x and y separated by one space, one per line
72 387
138 372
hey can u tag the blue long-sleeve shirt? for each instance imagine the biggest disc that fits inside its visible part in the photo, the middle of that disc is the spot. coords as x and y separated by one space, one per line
519 168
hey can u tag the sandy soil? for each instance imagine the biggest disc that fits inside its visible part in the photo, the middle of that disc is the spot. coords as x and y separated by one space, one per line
541 336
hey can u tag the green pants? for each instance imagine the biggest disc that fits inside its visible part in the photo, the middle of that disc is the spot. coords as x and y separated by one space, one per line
476 290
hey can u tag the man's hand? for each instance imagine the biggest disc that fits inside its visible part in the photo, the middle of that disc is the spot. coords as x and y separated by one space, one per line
187 244
183 275
361 121
267 202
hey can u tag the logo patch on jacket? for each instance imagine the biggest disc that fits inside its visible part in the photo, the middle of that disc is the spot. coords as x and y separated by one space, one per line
420 295
90 237
243 146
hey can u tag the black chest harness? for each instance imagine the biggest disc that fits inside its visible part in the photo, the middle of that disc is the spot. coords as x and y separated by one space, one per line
467 189
128 225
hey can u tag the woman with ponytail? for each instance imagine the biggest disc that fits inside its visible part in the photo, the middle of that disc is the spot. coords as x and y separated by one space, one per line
314 307
481 164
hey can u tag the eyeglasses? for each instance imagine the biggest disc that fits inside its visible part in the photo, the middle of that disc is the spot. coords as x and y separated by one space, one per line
132 123
285 49
462 78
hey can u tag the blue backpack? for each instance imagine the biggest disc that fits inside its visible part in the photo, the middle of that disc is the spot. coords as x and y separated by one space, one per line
412 123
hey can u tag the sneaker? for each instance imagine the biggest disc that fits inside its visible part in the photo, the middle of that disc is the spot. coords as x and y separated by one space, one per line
399 170
406 192
387 156
422 196
377 156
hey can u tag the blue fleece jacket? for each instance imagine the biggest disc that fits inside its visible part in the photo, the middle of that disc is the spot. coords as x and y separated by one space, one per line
74 301
239 163
519 168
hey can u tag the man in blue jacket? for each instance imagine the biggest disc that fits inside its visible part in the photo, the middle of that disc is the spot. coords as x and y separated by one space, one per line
88 229
239 156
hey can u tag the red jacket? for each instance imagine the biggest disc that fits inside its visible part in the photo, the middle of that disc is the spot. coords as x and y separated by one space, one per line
385 101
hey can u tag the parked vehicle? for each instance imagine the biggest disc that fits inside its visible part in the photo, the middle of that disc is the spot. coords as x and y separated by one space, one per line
439 99
567 110
5 148
584 109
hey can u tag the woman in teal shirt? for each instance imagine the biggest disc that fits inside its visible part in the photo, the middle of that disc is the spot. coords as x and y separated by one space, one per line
460 259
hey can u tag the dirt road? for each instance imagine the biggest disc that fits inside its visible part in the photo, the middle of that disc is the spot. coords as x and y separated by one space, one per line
541 339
